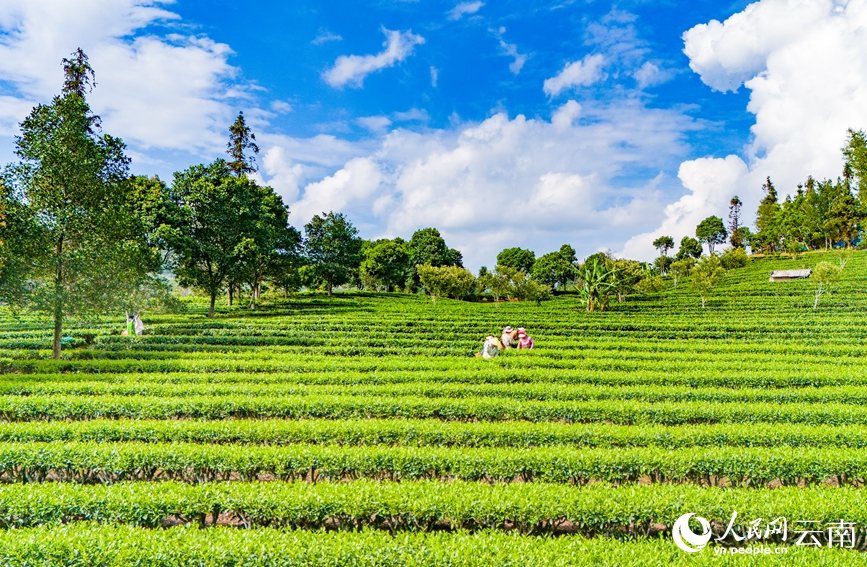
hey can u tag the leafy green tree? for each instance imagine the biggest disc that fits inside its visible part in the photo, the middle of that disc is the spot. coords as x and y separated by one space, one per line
556 268
267 241
846 216
386 263
241 139
767 220
517 259
568 254
663 264
525 288
711 231
855 155
496 282
825 273
446 281
427 247
705 275
204 225
663 244
70 197
681 268
628 274
689 248
333 248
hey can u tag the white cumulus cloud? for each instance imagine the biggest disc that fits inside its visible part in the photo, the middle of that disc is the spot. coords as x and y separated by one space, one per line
580 73
805 65
155 91
507 181
356 182
352 69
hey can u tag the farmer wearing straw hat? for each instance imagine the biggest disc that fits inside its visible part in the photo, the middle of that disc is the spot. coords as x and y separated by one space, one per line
491 348
509 337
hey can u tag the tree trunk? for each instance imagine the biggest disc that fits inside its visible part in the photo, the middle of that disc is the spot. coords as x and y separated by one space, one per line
253 294
702 302
818 293
329 286
211 309
58 301
230 295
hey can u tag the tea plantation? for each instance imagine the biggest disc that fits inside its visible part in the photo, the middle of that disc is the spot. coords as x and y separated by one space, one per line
360 430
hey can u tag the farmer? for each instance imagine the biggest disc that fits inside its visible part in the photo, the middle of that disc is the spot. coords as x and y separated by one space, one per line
138 324
525 340
491 348
508 337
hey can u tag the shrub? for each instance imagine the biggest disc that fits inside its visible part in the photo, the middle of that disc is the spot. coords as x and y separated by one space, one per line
734 258
447 281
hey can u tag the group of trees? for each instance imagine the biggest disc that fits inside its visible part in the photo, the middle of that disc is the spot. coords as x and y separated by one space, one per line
80 235
821 214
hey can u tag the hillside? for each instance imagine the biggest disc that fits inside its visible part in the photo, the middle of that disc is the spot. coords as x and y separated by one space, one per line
364 423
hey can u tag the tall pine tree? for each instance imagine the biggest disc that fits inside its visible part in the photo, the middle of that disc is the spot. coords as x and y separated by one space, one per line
241 139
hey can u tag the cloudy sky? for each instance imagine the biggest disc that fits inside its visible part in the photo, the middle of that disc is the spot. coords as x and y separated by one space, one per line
527 123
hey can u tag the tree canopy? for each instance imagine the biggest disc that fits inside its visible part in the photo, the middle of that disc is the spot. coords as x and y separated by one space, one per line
333 248
68 203
711 231
517 259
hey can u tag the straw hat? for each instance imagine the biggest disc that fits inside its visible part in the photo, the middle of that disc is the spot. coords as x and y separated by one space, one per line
508 329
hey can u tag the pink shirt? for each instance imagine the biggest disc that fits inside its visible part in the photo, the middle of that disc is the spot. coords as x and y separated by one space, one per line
526 342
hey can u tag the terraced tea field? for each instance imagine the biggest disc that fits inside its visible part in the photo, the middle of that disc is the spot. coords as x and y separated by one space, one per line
360 430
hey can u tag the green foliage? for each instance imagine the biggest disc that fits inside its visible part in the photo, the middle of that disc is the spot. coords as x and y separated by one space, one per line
386 264
664 244
205 223
629 275
268 244
594 433
72 227
825 274
855 155
556 268
427 247
333 248
517 259
447 281
681 268
711 231
689 248
597 282
736 231
734 258
525 288
241 139
663 264
705 275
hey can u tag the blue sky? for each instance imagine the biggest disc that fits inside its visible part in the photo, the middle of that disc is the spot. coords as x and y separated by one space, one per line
276 46
510 123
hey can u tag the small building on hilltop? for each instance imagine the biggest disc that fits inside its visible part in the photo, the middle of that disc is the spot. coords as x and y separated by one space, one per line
786 275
